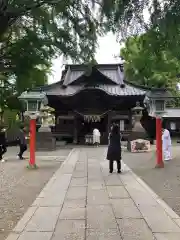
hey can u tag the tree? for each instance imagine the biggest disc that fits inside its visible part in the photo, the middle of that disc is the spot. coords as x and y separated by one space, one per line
67 27
33 32
148 67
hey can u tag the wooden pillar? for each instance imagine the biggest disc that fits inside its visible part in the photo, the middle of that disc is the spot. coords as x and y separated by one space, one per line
130 120
109 123
55 125
75 137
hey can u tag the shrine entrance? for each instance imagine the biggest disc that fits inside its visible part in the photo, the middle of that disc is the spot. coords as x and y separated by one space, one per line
86 125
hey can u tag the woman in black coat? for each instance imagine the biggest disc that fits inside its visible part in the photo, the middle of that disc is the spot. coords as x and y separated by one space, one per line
114 148
3 148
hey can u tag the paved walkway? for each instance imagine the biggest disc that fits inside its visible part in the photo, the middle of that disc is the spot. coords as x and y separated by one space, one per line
82 201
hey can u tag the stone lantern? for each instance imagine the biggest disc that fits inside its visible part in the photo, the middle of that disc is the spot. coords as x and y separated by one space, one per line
155 101
137 114
32 102
136 139
47 118
45 138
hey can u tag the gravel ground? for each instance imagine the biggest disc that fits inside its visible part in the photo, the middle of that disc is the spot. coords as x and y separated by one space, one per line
165 182
20 186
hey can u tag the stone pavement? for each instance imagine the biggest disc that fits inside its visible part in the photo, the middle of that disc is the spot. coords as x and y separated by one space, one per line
165 182
83 201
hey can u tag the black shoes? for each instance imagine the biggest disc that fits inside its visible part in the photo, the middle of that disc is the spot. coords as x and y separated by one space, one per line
119 171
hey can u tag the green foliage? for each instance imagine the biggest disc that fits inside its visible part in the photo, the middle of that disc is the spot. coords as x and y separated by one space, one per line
148 66
32 32
10 118
49 28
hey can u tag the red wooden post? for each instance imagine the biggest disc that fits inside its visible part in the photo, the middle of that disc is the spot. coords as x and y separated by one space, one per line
159 156
32 162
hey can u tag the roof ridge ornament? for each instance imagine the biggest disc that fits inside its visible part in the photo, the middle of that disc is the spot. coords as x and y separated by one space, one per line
89 70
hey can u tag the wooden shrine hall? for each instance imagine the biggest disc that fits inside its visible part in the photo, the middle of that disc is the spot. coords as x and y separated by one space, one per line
86 98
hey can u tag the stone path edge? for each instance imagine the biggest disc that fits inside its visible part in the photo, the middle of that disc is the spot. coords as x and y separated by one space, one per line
170 212
22 223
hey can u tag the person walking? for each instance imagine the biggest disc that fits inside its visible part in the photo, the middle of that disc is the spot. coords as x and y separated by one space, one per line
3 148
166 144
96 137
114 149
22 142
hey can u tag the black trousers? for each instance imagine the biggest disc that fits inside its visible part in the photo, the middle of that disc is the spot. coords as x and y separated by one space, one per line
3 150
22 149
111 163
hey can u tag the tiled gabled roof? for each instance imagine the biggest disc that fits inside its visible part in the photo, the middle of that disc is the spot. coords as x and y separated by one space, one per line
114 86
111 71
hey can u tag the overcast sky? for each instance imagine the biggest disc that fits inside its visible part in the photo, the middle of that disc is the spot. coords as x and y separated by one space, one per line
108 48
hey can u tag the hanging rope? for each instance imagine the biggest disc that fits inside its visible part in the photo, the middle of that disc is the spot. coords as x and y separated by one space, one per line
92 118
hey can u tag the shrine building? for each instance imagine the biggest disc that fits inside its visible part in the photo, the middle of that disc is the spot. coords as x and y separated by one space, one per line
87 98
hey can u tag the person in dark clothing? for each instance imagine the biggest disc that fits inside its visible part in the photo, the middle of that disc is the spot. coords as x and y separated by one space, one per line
114 148
3 148
22 143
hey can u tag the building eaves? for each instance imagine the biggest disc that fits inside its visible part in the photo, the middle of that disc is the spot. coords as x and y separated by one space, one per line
113 90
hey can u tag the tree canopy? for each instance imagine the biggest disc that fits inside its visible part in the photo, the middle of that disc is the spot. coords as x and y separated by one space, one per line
148 67
32 32
152 57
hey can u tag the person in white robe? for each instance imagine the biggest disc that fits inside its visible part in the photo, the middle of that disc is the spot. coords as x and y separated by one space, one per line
96 137
166 145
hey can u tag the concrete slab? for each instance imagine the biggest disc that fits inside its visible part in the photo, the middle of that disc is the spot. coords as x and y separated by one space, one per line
79 174
97 205
95 184
35 236
167 236
100 217
70 230
109 234
13 236
75 203
112 180
81 167
117 192
76 193
177 221
44 220
139 197
25 219
78 182
61 183
97 196
72 213
125 208
37 202
134 229
154 216
51 200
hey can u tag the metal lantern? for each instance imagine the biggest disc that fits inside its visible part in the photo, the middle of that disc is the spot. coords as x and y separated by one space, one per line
33 101
155 101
